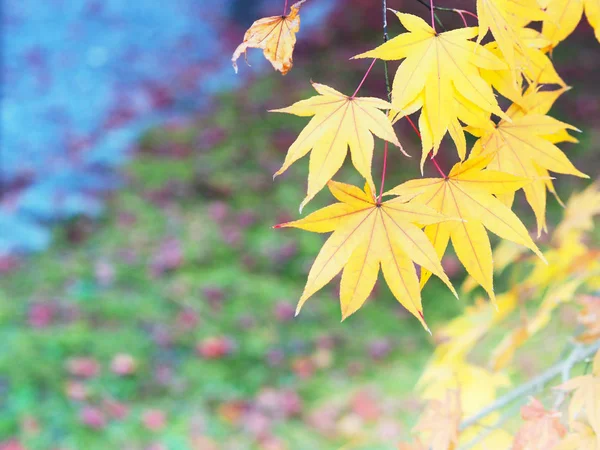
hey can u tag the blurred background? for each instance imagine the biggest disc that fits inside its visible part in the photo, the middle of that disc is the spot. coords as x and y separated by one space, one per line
145 301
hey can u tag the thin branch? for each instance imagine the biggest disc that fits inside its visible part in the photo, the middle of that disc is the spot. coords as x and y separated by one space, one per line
385 39
389 97
578 354
509 414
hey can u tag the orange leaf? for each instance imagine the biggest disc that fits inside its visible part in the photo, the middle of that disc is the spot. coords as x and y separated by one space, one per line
542 428
276 35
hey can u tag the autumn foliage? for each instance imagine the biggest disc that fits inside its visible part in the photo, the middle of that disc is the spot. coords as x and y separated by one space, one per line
454 81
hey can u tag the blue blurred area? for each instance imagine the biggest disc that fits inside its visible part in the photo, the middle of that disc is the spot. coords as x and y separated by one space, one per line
83 78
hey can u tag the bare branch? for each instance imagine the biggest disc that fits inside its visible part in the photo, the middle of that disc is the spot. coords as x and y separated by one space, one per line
578 354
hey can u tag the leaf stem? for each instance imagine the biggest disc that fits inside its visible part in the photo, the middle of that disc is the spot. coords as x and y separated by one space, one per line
437 166
414 127
285 8
435 8
460 12
364 78
462 16
464 11
432 9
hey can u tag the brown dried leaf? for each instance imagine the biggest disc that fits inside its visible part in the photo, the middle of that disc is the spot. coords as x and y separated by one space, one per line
276 35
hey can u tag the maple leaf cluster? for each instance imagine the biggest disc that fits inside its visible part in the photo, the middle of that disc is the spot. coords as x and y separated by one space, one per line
452 81
531 301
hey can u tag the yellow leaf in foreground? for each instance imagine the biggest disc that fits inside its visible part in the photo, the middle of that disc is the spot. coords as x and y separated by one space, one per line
467 194
505 253
276 35
338 122
438 70
500 17
562 17
368 235
521 148
530 60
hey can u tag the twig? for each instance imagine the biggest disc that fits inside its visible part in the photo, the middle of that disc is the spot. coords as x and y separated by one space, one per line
389 97
509 414
578 354
385 39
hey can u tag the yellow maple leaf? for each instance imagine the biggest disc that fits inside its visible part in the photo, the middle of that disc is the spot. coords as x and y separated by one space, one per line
579 213
562 17
439 69
535 101
478 386
338 122
276 35
368 235
501 17
466 193
505 253
521 148
529 59
586 395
